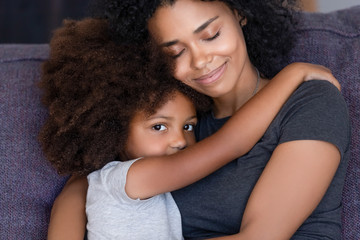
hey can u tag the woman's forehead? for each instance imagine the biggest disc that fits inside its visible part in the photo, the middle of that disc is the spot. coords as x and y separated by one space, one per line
185 15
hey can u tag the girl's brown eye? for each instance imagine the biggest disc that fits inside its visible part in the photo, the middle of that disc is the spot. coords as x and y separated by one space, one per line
159 127
189 127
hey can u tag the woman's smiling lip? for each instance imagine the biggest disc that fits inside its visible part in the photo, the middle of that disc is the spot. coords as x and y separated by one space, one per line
212 76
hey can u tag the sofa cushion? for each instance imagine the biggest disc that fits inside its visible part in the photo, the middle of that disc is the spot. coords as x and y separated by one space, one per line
28 183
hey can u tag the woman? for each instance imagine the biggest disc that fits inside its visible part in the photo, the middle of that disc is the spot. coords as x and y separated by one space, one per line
289 185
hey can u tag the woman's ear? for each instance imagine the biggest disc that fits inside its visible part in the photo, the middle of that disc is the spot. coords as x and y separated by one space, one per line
242 20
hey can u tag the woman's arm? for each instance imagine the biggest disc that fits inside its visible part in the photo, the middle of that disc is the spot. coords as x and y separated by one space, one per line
68 218
146 176
289 189
308 167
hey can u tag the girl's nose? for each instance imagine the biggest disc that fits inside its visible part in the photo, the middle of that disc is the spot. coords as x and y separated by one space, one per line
178 141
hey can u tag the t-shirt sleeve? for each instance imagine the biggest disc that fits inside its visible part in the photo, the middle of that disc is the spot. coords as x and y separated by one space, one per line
111 179
317 111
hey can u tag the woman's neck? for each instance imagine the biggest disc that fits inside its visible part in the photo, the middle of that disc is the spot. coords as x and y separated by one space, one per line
228 104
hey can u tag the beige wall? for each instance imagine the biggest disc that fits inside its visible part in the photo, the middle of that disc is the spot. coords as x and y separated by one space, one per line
333 5
327 5
309 5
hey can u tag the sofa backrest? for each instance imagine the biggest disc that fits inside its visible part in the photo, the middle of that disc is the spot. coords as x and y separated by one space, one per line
29 184
333 40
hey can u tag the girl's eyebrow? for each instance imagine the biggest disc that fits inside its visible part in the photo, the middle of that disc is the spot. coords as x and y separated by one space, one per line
199 29
152 117
192 118
169 118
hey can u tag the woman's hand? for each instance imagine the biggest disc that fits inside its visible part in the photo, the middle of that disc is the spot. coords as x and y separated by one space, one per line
68 217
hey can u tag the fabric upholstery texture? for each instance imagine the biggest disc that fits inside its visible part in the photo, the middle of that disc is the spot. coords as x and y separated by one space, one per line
29 185
333 40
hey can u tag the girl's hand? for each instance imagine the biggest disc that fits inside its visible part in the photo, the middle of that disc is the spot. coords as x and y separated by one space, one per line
311 71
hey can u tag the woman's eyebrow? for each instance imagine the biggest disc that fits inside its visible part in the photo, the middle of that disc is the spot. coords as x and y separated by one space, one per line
203 26
199 29
168 44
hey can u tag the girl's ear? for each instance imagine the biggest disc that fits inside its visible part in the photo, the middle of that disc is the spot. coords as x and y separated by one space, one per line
242 20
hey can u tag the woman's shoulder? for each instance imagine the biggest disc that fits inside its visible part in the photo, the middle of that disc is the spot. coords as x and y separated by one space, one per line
319 94
317 111
319 84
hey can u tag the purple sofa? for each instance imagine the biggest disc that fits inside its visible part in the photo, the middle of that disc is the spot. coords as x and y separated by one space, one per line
29 184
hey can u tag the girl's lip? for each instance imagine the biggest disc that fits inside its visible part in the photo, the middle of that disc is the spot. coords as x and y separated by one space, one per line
212 76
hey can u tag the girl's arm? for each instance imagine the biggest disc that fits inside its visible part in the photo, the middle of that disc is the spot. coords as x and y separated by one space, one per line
146 176
68 218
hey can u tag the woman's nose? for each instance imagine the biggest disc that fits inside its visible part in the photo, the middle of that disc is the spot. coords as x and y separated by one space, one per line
200 57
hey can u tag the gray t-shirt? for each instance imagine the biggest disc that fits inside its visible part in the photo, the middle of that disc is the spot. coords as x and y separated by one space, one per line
214 206
113 215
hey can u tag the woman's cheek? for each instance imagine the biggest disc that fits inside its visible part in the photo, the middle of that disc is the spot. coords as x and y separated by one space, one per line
180 72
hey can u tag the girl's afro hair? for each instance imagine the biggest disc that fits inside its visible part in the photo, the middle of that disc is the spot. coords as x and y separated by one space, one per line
269 31
92 88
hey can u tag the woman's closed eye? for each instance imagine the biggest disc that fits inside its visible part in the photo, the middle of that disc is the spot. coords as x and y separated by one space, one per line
217 34
178 54
213 37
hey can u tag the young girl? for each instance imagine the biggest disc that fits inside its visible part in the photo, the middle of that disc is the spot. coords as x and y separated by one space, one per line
116 113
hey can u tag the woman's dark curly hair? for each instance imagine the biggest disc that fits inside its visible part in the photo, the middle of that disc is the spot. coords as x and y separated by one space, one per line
269 32
92 88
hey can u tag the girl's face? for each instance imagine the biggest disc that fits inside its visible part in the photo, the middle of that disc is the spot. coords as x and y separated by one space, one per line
167 131
206 42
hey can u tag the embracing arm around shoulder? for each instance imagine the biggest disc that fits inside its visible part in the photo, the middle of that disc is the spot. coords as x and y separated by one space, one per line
68 218
146 176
